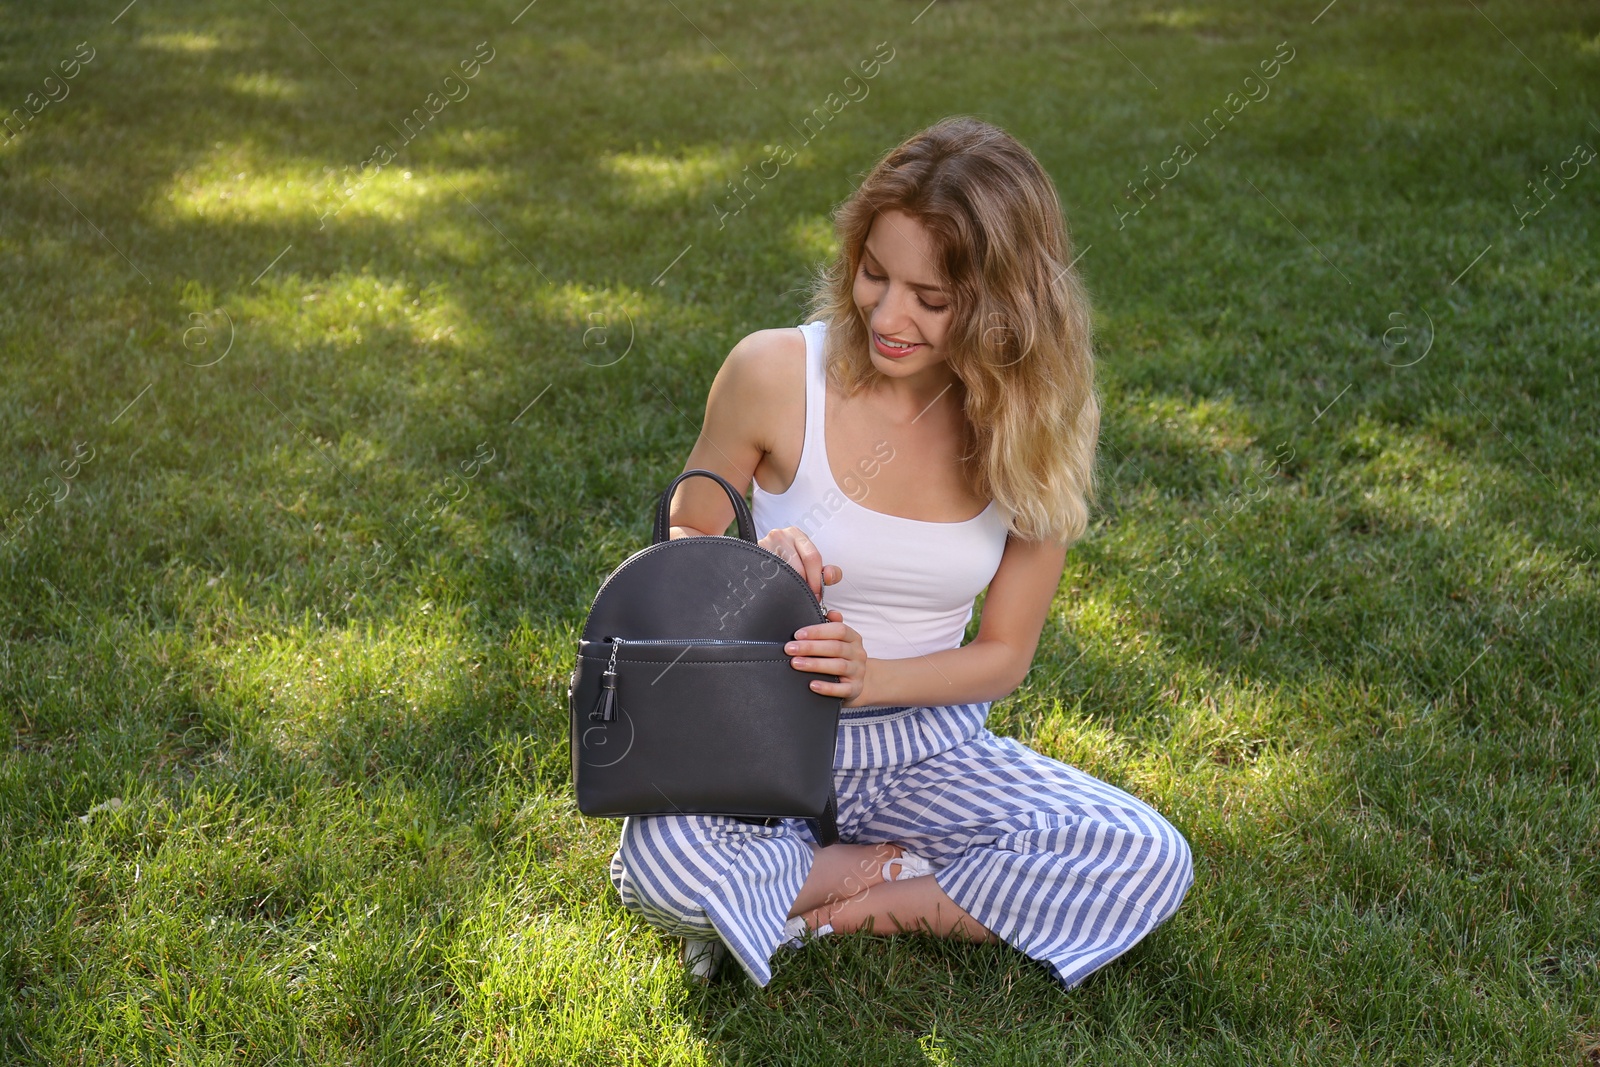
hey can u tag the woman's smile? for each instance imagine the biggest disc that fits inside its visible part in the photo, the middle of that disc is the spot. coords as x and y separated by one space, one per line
892 348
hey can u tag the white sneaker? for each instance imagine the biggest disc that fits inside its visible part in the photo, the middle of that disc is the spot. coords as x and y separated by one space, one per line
703 958
796 930
911 866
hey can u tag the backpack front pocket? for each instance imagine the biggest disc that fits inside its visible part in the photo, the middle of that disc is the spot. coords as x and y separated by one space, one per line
709 726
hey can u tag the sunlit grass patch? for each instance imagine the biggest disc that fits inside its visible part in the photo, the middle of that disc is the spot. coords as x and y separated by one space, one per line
214 192
267 85
579 984
181 43
812 239
651 177
1177 18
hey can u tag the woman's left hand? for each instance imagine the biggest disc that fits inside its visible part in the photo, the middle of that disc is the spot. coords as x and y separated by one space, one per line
831 648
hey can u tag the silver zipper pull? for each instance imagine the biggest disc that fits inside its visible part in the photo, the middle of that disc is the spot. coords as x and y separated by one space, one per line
605 708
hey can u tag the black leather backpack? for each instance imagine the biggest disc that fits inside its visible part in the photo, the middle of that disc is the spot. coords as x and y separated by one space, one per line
683 700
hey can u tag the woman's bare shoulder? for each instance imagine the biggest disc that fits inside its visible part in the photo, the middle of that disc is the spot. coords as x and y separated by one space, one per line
768 367
758 391
779 346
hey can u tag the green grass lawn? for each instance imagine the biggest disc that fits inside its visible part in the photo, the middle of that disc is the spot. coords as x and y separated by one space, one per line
285 776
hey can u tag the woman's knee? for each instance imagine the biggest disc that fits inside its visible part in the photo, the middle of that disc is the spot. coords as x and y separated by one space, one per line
1136 853
1169 866
654 870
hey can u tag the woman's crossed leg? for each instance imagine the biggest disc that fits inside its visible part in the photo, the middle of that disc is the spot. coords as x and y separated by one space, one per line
1026 849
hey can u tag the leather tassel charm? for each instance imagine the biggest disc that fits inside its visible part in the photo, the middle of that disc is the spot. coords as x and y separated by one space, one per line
605 708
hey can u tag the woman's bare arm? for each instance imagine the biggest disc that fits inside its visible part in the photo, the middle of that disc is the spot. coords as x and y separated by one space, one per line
995 662
733 437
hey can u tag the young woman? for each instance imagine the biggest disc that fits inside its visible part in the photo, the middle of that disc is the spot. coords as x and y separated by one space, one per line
928 435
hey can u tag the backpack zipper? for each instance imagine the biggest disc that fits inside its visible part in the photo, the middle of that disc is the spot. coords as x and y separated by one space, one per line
689 641
605 707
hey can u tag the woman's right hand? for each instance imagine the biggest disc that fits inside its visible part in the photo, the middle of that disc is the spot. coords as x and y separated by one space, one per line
792 546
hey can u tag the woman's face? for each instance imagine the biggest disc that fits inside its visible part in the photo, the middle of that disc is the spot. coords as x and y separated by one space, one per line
902 295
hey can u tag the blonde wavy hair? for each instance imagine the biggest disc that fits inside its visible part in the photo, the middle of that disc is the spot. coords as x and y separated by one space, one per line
1019 334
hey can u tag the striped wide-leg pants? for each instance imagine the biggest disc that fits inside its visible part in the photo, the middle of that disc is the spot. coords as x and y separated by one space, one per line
1067 869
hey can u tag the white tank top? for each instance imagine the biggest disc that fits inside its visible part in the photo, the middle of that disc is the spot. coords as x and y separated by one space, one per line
909 585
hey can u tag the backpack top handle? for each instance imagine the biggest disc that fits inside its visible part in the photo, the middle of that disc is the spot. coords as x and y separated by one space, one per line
741 510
